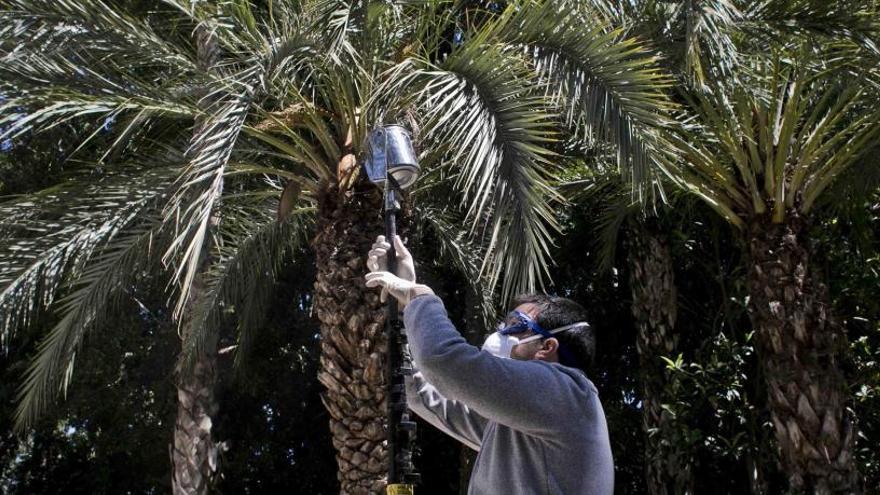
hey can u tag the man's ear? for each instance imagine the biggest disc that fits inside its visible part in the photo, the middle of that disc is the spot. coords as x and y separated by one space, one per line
549 350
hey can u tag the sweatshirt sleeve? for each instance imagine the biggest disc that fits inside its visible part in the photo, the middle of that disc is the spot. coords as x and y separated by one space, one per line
452 417
534 397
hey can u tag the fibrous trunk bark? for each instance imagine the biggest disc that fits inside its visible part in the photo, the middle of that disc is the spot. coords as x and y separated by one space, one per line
352 335
668 465
800 348
194 454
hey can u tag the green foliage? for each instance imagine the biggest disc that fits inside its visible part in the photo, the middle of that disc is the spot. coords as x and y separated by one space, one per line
494 107
144 136
252 249
717 380
777 143
112 435
866 392
851 270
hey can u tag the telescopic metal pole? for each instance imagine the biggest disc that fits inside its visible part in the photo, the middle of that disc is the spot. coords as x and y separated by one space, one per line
401 429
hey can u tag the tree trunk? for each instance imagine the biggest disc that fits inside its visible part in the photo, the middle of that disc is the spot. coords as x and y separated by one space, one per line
194 453
352 335
668 465
800 348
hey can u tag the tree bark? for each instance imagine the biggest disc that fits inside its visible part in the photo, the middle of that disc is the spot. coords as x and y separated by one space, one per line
800 347
195 454
352 335
668 466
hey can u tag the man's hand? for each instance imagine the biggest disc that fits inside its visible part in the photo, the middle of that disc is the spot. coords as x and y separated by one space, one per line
402 286
402 290
377 259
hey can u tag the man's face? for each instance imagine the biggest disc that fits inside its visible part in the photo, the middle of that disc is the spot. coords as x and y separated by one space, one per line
529 350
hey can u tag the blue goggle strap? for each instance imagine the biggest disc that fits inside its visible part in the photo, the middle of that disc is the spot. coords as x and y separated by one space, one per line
526 322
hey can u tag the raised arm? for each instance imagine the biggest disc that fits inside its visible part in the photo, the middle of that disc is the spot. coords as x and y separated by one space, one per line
531 396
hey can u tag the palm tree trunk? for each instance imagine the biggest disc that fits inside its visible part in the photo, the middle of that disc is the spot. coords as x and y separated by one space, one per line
352 335
654 306
194 455
800 347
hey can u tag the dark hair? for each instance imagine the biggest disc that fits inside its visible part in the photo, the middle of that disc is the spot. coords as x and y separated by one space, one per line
555 312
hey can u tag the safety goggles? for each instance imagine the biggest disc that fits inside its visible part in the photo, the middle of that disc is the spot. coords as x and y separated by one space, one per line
521 322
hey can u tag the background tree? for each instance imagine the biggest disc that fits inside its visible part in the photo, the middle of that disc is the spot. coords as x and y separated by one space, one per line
710 44
780 142
654 306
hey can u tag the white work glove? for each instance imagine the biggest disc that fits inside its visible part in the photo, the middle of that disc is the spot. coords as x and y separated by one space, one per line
403 286
377 259
402 290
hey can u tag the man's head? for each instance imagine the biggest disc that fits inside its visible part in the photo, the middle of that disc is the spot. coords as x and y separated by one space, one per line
575 347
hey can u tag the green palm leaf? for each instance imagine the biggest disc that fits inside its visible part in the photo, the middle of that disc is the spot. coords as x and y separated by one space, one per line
73 58
200 187
778 143
253 248
43 250
608 89
87 306
710 26
782 20
483 107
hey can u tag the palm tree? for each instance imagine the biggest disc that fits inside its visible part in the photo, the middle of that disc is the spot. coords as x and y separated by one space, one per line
482 106
293 92
655 309
668 460
766 151
147 78
710 43
194 452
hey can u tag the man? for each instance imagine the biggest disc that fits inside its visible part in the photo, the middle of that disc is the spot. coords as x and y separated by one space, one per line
523 401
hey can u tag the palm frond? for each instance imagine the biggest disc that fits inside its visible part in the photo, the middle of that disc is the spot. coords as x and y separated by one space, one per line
44 248
74 58
838 149
253 249
457 250
287 137
92 295
499 143
343 21
812 20
483 108
608 89
200 187
710 25
52 108
280 43
90 28
614 207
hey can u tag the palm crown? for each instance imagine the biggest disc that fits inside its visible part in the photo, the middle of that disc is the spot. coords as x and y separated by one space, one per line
776 144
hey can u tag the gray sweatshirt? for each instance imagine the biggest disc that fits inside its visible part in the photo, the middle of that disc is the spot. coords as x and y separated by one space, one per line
539 427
